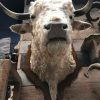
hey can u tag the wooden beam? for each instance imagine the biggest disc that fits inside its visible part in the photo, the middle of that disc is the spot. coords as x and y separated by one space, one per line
81 89
5 67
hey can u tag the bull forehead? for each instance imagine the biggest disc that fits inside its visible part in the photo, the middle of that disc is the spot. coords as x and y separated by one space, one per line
40 5
54 1
57 2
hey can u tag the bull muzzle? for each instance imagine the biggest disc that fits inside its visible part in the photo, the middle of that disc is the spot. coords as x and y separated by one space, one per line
56 32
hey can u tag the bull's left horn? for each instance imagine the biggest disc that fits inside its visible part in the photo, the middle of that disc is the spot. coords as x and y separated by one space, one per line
84 10
95 5
14 15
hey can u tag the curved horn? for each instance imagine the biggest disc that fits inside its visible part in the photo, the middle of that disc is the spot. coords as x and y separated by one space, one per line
14 15
88 16
84 10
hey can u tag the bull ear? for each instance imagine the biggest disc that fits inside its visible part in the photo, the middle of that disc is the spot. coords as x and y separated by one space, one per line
80 25
15 28
21 28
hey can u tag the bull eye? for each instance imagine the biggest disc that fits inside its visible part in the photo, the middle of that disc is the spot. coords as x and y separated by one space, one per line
71 17
32 16
65 26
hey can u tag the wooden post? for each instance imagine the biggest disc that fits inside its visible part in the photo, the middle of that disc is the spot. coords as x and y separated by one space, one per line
5 67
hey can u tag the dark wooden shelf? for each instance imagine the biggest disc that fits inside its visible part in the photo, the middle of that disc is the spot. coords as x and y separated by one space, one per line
81 89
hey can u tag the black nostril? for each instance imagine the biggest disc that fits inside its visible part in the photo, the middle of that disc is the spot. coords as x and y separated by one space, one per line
47 26
65 26
54 26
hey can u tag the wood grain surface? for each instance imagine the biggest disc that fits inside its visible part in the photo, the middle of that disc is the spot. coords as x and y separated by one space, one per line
81 89
4 74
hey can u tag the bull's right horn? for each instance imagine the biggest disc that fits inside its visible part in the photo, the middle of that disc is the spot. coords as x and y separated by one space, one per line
14 15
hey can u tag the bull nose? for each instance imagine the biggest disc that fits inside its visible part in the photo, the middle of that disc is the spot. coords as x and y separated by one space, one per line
56 31
58 25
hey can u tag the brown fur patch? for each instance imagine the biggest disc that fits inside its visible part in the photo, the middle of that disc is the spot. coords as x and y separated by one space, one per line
55 19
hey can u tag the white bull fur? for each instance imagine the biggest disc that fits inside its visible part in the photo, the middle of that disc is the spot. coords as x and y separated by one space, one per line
52 62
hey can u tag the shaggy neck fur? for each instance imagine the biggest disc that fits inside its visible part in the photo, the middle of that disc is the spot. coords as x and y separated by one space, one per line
52 68
43 63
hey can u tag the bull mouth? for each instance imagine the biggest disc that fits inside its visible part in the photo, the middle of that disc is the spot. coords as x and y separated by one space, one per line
57 39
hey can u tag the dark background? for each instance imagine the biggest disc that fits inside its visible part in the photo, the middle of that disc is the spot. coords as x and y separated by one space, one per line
5 21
